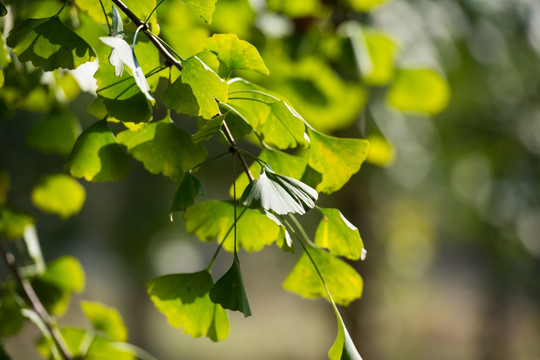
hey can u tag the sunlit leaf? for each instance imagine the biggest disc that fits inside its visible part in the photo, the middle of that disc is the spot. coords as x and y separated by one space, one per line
343 282
211 220
97 157
203 8
188 190
338 235
365 5
337 159
163 148
209 129
278 193
66 273
381 152
253 112
136 109
185 300
229 290
205 85
105 319
284 127
419 90
296 9
48 44
13 223
236 54
343 347
59 194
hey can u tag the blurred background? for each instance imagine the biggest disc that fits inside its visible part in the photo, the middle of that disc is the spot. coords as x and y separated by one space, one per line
448 204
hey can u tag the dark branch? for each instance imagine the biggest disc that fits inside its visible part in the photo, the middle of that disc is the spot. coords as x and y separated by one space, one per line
36 304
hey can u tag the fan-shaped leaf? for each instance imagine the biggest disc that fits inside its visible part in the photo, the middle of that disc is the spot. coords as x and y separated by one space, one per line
209 129
105 319
184 299
59 194
187 191
203 8
49 44
96 156
13 223
284 127
338 235
229 290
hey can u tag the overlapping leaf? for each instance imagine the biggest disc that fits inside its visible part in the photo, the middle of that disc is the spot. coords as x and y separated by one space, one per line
343 282
337 159
229 290
184 299
13 223
97 157
338 235
59 194
105 319
188 190
211 220
209 129
236 54
203 8
55 133
49 44
284 128
163 148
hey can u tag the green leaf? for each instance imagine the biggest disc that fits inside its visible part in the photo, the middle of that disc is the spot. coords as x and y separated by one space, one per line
59 194
213 219
343 347
48 44
13 223
281 194
253 112
135 109
236 54
209 129
164 148
280 162
55 133
105 319
229 290
97 157
365 5
185 300
283 128
11 320
203 8
382 50
179 96
66 273
419 90
338 235
337 159
187 192
343 282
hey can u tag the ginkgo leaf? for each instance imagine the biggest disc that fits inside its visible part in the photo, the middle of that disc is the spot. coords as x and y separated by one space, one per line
188 189
123 54
105 319
203 8
13 223
96 156
209 129
338 235
59 194
66 273
284 128
49 44
163 148
419 90
185 300
229 290
281 194
343 347
236 54
11 319
285 240
343 282
211 220
337 159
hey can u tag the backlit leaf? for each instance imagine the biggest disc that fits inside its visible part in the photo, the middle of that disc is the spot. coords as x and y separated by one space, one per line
48 44
365 5
163 148
281 194
97 157
343 347
188 190
337 159
59 194
55 133
419 90
13 223
203 8
338 235
105 319
229 290
185 300
66 273
209 129
211 220
343 282
236 54
179 96
284 127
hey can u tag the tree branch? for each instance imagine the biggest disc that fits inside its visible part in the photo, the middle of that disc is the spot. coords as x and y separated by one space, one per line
144 27
36 304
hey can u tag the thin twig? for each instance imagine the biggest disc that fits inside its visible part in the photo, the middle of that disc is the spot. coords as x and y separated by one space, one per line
36 304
